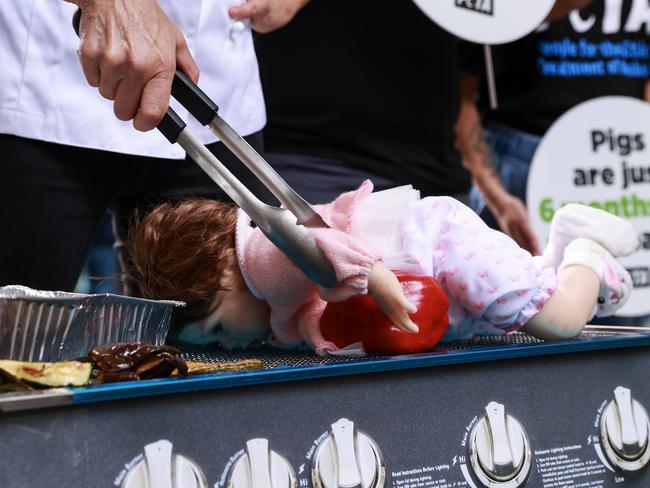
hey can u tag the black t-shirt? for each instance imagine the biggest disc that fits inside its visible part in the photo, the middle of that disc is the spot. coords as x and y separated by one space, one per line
372 83
602 50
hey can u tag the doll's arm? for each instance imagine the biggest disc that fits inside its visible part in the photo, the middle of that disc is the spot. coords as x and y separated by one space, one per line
387 291
352 261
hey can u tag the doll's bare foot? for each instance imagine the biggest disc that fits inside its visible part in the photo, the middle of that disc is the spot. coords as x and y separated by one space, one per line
615 282
574 221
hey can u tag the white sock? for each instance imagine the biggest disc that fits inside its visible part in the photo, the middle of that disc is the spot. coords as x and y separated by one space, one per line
574 221
615 282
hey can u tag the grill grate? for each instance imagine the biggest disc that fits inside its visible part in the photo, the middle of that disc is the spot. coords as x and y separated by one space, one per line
288 358
271 357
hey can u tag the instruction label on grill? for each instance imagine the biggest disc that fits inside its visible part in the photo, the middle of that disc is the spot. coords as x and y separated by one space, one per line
425 477
562 467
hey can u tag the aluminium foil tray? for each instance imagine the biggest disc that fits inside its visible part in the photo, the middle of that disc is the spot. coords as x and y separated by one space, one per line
58 326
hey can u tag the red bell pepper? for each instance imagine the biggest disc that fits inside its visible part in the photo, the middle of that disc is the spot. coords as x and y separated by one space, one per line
360 319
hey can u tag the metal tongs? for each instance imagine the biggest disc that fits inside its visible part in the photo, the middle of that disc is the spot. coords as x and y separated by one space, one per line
285 227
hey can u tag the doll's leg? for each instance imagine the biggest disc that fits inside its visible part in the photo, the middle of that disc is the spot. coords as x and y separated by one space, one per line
590 282
575 221
569 308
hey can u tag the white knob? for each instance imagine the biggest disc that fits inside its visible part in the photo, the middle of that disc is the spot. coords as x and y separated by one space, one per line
499 449
260 467
348 458
158 460
624 428
161 468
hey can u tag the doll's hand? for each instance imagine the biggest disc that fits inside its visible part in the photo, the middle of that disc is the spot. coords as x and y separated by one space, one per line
387 291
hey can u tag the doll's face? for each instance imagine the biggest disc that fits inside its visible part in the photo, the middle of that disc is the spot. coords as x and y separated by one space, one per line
237 319
240 317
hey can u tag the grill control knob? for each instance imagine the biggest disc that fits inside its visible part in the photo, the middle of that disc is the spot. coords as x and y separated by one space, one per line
624 428
348 458
261 468
499 449
160 468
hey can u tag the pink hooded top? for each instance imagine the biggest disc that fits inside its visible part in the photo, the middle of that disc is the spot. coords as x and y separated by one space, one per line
296 302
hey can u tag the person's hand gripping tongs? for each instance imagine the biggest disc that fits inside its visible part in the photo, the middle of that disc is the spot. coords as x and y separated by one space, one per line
285 227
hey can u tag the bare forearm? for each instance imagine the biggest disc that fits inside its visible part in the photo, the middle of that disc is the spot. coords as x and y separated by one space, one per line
473 148
509 210
477 160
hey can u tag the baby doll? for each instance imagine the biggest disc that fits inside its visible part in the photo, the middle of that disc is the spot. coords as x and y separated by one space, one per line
239 287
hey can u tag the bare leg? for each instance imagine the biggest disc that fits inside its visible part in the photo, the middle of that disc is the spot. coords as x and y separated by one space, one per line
590 281
569 308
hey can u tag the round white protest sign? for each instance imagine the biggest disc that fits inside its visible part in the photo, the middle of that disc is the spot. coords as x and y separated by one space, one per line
598 153
487 21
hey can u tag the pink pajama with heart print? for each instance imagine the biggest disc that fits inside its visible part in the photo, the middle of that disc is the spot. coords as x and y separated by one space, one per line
494 286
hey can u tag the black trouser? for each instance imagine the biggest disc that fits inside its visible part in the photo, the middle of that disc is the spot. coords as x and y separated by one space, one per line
53 197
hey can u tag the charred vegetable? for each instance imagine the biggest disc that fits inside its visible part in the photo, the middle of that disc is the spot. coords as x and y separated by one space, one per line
136 361
198 367
68 373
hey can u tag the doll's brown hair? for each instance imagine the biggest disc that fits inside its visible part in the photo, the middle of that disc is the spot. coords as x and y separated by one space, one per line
179 251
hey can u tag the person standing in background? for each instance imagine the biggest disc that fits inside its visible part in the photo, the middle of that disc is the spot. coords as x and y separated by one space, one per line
541 77
352 96
602 49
